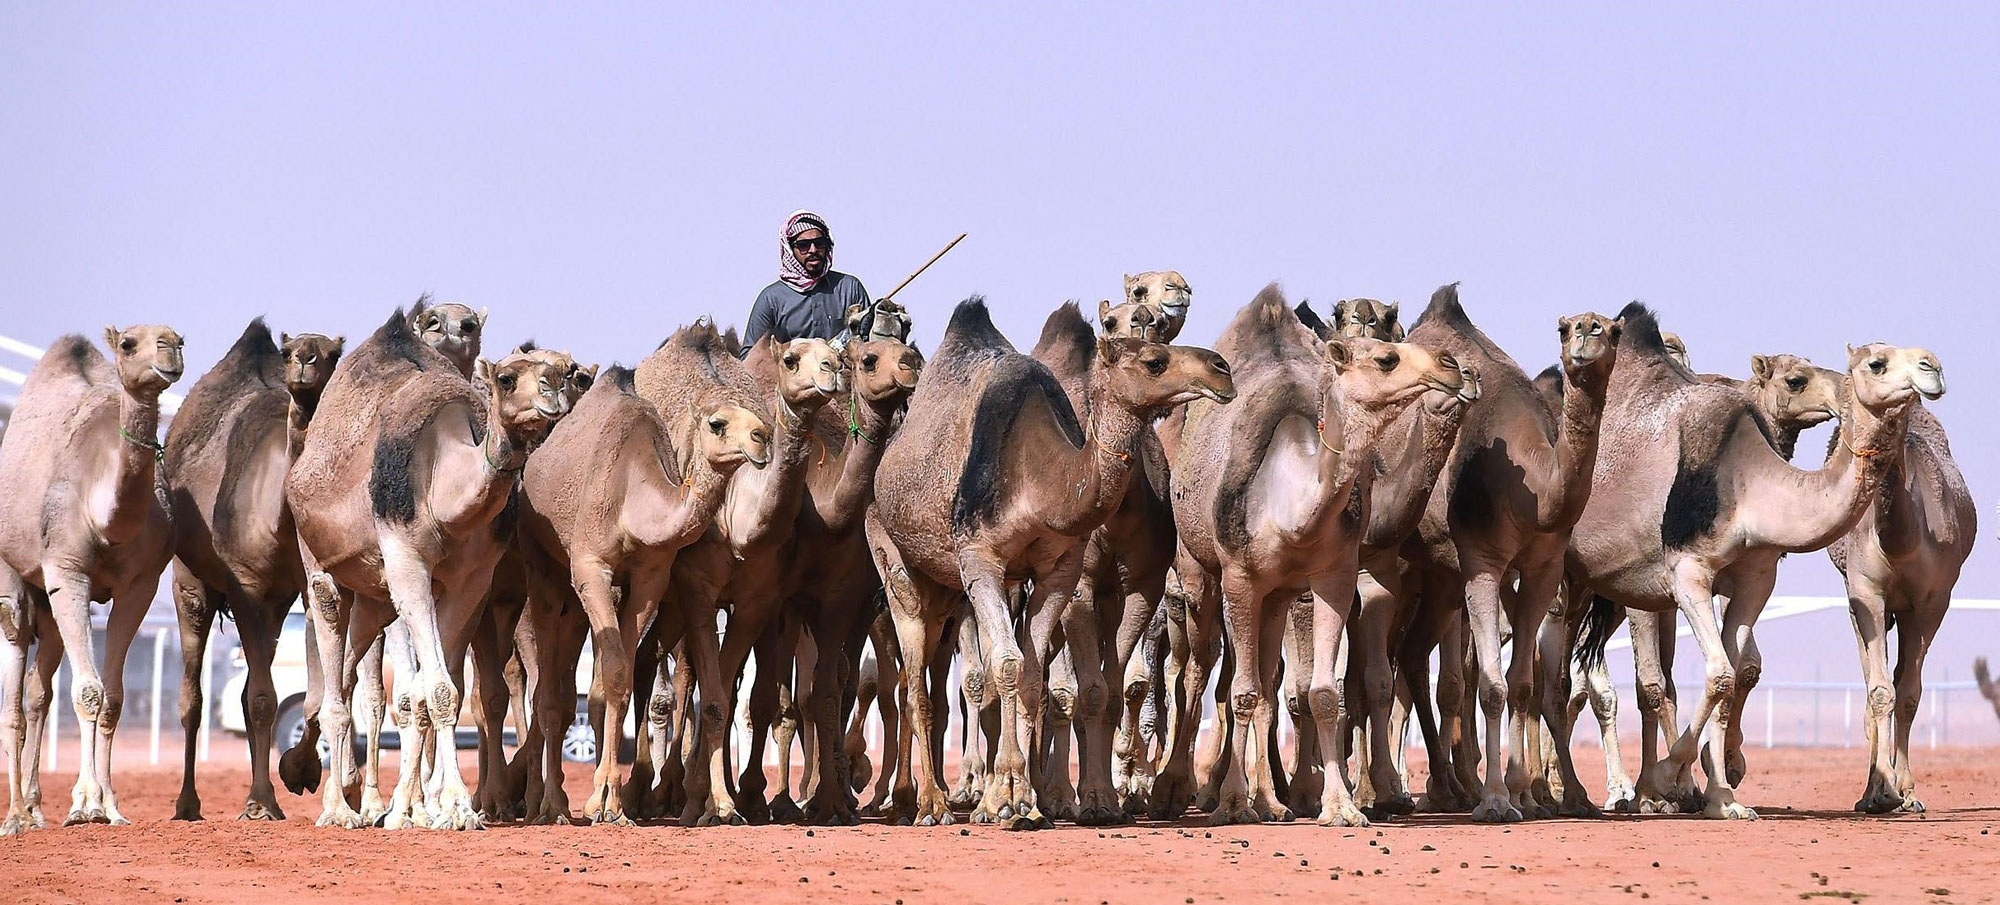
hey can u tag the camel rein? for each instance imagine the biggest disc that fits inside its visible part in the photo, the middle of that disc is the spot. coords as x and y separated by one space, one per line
159 449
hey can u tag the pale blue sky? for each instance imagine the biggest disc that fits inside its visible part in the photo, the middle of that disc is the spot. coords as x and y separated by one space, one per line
1773 177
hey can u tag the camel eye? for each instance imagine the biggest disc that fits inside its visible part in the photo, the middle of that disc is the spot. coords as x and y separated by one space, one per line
791 361
716 426
1155 365
468 325
1562 329
128 344
869 360
1878 366
1388 362
1795 383
506 381
1138 293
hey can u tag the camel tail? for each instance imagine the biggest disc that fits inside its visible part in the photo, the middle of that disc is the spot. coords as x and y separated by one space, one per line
1598 624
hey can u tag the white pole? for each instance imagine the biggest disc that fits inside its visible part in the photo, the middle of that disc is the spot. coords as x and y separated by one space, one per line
1934 720
1847 718
159 654
54 727
207 689
1770 716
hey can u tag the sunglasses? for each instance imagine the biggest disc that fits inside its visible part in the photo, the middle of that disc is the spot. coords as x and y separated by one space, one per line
822 243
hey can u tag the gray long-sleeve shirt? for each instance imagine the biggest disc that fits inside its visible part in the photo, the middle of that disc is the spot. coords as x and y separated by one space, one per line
788 314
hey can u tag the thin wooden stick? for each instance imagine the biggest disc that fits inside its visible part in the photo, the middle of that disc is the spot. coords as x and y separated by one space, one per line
920 270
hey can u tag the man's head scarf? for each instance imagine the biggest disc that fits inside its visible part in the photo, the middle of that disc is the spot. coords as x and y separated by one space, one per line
789 268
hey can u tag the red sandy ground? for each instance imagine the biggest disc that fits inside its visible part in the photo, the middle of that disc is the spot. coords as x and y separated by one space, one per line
1809 845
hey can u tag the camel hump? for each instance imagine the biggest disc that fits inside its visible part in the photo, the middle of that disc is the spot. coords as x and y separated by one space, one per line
1068 343
971 328
1642 330
255 353
1445 308
1312 320
1006 393
71 357
620 378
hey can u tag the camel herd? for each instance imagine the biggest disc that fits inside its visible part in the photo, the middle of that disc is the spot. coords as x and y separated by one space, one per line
1304 514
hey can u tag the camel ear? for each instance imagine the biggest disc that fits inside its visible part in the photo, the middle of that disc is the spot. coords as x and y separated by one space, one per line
1103 310
1112 349
111 337
284 339
1129 283
1853 357
483 369
340 342
1760 367
592 371
1389 314
1562 327
1338 353
1617 329
482 318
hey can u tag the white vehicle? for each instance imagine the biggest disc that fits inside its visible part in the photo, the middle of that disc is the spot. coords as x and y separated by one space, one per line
288 679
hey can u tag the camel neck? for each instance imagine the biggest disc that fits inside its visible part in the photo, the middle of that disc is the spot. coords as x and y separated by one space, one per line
139 457
1810 509
298 416
1346 434
775 510
1413 465
868 426
1103 467
1566 489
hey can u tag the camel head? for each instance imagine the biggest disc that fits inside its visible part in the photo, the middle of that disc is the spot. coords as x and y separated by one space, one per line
1166 289
1676 349
450 328
1590 346
809 371
1367 318
884 370
1376 375
1137 320
578 379
309 360
731 435
1441 402
527 394
1156 376
884 320
1796 393
148 358
1885 377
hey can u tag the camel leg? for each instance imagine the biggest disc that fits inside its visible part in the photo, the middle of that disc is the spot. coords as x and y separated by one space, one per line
258 625
792 696
774 667
654 717
1914 632
1247 776
128 610
1217 749
489 658
1867 606
299 766
1098 800
888 678
1369 643
1201 624
37 698
370 696
613 638
1555 638
868 688
978 715
1132 761
708 800
1694 595
1484 611
1055 792
329 617
195 609
916 606
17 625
69 602
1458 719
1332 604
1007 669
1048 601
823 744
1428 625
1309 763
1652 665
541 643
1593 686
1539 615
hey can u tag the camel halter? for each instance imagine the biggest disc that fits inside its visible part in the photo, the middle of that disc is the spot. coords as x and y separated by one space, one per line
1319 428
159 449
854 422
485 449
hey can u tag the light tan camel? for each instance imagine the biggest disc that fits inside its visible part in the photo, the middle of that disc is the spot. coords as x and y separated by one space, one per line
235 552
451 328
1515 483
1271 500
1699 504
395 495
1169 294
606 506
84 518
741 564
1031 482
835 586
1792 395
1988 689
1901 561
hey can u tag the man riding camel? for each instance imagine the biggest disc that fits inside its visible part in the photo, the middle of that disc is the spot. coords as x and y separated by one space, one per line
810 300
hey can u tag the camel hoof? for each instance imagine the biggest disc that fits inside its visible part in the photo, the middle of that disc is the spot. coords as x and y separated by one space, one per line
784 810
14 826
1730 811
1234 814
258 810
1496 810
611 820
1910 806
1399 806
188 809
343 818
1348 816
1581 808
300 770
983 818
80 817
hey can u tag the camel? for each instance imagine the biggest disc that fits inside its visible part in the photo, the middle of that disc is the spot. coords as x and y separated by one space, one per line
1122 578
1031 482
606 502
1168 292
835 582
395 497
1699 504
1793 396
742 562
1270 500
1901 561
227 454
451 328
1988 689
1516 481
1367 318
84 518
1676 349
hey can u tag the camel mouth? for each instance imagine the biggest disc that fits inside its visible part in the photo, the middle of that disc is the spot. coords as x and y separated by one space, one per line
1219 397
757 461
549 413
168 376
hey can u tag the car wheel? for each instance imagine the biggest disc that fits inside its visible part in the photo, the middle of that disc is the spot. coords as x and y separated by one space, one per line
579 742
291 727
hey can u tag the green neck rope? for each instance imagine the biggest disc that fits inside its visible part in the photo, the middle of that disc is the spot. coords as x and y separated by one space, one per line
159 449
